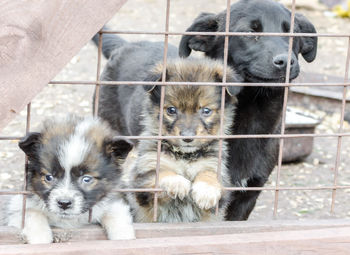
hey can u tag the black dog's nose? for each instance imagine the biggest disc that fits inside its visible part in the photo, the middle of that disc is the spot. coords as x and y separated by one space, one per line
64 204
187 140
280 61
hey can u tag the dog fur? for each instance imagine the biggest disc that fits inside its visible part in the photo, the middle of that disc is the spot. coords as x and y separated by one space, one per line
73 166
188 167
188 170
256 59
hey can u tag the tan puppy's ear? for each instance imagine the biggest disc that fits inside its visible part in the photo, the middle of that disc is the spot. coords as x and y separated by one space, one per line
231 77
154 76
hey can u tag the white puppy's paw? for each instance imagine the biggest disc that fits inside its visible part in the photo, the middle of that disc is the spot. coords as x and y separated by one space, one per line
205 195
37 236
175 186
122 233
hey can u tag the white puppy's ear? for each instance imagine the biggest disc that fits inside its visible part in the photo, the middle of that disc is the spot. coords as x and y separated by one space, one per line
31 145
118 148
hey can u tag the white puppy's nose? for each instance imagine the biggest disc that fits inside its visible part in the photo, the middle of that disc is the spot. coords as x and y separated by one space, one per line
64 204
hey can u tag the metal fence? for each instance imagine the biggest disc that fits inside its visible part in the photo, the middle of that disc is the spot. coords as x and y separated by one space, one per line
282 136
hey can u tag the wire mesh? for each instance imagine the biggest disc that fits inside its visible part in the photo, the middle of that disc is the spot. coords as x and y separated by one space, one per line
276 188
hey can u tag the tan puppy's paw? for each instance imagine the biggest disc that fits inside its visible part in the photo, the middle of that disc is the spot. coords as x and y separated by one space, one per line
205 195
175 186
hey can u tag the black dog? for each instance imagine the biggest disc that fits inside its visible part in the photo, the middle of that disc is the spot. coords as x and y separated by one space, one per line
256 59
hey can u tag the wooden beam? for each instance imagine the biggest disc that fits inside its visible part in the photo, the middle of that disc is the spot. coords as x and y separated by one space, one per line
319 241
10 235
37 39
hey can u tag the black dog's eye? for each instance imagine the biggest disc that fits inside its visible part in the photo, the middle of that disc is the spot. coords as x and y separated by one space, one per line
171 110
206 111
87 179
285 27
256 26
49 178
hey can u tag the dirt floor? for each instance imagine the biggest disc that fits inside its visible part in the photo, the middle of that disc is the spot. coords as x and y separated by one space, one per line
149 15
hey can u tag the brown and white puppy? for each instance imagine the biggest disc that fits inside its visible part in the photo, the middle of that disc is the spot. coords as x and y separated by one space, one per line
188 167
73 166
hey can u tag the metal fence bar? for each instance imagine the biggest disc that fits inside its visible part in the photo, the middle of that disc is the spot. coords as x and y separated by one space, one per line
248 136
337 160
98 70
227 33
223 91
284 110
270 188
172 83
24 200
162 95
97 89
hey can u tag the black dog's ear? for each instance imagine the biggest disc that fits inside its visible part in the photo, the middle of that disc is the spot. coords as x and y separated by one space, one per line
231 77
205 22
30 144
308 45
118 148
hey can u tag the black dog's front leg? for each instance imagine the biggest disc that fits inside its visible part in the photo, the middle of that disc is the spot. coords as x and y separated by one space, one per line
243 202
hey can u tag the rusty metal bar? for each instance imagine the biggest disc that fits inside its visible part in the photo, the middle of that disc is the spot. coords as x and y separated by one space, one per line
162 95
271 188
284 110
97 90
11 137
97 87
233 136
11 192
24 200
228 33
248 136
223 91
337 160
253 84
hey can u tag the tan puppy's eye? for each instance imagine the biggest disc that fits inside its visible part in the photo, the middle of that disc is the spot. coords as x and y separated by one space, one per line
171 110
206 112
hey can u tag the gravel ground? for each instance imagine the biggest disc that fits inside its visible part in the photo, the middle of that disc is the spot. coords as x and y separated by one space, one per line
149 15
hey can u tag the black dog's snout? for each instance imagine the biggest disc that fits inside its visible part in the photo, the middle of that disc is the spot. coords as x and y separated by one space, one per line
187 140
64 204
280 61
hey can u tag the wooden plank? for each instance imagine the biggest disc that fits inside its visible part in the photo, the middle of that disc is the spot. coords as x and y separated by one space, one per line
37 39
320 241
9 235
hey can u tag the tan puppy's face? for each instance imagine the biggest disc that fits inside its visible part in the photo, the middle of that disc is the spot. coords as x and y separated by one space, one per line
191 111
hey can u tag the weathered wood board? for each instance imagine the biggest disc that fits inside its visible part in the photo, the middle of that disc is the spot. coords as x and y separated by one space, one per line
270 238
37 39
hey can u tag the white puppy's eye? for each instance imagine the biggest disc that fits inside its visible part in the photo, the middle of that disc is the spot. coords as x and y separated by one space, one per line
87 179
48 178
